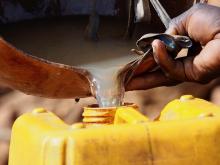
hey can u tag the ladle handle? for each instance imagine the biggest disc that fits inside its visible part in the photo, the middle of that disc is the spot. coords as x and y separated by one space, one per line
164 17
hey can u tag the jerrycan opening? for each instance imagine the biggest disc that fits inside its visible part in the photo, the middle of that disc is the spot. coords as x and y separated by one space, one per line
94 115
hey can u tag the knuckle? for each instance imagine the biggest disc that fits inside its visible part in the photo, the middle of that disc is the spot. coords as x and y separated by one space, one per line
197 77
198 6
201 78
176 24
173 22
171 75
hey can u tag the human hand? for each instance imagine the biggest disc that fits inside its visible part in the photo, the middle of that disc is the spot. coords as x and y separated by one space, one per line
202 24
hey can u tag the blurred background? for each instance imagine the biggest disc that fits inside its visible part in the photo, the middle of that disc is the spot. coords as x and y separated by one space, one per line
45 27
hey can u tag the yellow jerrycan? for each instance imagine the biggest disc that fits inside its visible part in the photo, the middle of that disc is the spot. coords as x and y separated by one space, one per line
187 132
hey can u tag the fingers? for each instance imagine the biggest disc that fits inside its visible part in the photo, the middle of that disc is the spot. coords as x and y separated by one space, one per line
178 25
147 65
161 56
150 80
173 69
205 66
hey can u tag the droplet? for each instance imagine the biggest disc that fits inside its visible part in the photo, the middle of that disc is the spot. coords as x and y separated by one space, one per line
77 100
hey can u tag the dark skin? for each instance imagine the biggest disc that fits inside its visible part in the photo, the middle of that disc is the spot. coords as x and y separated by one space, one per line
202 24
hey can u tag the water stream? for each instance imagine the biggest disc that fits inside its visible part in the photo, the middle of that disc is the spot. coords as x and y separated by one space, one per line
107 80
